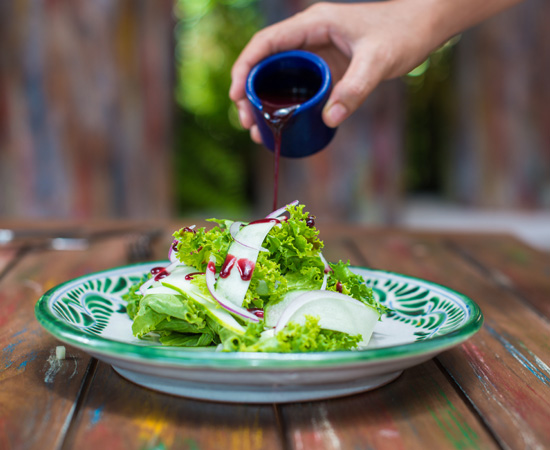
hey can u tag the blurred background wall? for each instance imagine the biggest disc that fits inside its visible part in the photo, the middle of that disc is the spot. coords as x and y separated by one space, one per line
86 108
119 109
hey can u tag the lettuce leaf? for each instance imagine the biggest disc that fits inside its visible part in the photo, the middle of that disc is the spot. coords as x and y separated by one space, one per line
309 337
157 311
133 297
352 285
196 246
177 339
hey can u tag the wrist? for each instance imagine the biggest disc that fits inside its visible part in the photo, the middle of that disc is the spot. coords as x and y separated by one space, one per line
444 19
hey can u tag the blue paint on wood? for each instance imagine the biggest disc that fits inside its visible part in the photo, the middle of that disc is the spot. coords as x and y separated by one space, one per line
534 367
96 415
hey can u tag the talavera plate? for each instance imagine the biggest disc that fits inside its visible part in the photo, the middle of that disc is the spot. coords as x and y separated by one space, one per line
426 319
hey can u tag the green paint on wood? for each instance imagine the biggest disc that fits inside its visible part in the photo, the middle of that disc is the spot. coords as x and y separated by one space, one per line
456 429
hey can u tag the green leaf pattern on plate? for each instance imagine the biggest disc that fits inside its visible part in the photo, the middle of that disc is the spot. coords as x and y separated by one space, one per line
418 305
90 306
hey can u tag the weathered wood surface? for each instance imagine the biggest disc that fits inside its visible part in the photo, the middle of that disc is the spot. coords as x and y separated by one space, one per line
490 392
7 257
513 265
37 391
127 416
419 410
503 370
85 107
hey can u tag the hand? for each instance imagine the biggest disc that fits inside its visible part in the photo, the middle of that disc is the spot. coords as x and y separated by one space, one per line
363 44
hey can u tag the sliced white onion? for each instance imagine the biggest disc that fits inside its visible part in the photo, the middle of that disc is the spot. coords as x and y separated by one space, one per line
327 267
225 304
171 253
146 285
280 211
172 266
234 229
325 280
311 296
169 268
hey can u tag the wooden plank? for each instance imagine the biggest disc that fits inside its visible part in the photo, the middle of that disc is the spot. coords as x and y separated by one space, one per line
127 416
37 391
503 369
111 174
420 409
511 263
7 257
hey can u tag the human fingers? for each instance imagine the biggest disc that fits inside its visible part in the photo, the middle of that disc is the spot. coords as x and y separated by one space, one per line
292 33
246 118
263 44
255 134
363 74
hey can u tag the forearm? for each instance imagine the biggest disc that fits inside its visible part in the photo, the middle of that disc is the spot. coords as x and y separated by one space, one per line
447 18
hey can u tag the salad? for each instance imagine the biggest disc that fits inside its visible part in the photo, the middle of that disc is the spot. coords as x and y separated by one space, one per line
262 286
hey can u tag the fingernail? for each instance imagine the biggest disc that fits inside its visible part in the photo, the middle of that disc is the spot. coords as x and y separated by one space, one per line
336 114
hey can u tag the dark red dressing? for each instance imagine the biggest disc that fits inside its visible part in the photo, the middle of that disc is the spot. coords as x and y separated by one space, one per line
227 265
157 270
264 221
278 108
246 268
159 273
258 312
191 275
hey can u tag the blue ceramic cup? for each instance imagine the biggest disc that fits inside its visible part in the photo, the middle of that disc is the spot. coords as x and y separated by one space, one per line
293 74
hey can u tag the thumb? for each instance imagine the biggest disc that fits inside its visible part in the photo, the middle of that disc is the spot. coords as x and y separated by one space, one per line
347 95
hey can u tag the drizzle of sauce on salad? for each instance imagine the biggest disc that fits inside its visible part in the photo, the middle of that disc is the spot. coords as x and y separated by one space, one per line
258 312
191 275
278 107
159 273
244 266
211 267
264 221
228 264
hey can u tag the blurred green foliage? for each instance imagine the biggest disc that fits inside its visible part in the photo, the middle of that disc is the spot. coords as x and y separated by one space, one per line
214 160
429 102
213 154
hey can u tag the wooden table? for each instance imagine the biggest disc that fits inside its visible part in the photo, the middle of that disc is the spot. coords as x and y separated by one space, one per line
491 392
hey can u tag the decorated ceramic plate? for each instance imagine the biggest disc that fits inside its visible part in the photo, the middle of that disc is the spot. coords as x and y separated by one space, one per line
426 319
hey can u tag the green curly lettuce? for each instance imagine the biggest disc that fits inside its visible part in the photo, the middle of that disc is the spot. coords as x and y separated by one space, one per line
309 337
196 246
292 262
133 297
168 312
343 280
